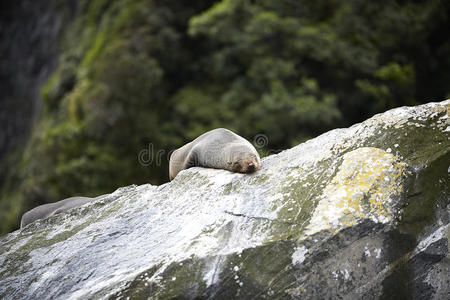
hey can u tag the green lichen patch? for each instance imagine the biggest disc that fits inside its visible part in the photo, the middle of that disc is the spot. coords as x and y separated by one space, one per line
264 272
427 131
140 287
427 192
296 198
179 278
18 262
258 178
186 178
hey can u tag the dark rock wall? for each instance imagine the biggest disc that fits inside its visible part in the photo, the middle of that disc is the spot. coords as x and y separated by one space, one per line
28 54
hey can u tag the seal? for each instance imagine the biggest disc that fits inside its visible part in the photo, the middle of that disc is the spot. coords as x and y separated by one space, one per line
50 209
219 149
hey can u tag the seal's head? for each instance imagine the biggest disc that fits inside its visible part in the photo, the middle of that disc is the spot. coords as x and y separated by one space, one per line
244 161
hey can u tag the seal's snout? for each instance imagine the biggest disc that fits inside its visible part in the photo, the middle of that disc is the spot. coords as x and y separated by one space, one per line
251 167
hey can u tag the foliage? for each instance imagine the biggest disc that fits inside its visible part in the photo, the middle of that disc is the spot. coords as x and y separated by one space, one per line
136 74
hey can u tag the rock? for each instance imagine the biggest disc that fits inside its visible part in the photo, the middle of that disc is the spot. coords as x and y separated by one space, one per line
356 213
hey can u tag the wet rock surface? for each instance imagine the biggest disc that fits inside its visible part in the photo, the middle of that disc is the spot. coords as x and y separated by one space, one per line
356 213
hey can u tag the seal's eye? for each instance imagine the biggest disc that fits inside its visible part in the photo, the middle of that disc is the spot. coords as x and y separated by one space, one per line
237 166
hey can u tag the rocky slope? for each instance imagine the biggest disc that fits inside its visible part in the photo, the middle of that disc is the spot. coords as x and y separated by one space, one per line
355 213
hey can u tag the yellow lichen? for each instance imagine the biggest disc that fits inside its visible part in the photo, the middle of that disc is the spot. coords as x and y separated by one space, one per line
362 188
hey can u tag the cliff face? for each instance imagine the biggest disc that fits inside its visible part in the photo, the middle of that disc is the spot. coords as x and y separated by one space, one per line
30 40
28 54
356 213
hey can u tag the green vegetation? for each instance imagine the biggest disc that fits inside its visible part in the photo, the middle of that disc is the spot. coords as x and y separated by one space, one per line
138 72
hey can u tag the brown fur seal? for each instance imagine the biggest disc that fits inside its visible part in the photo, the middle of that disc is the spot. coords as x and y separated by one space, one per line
50 209
220 149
